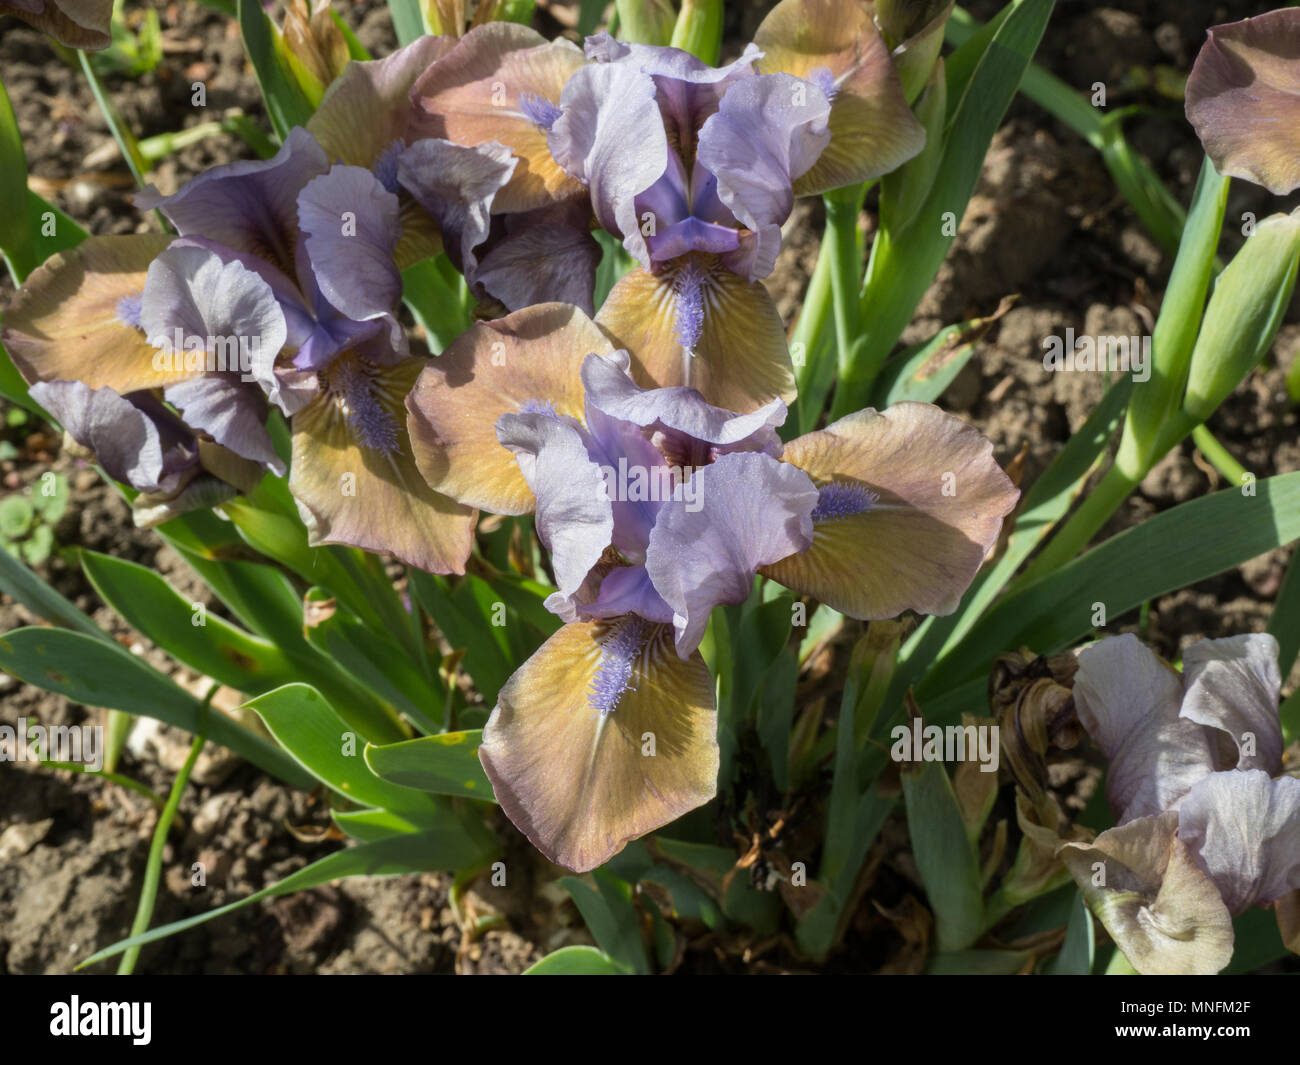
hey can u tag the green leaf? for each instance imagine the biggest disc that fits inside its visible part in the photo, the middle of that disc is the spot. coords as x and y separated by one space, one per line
286 104
437 297
1284 624
326 745
435 850
1176 548
1080 946
578 961
979 963
50 500
368 825
408 21
98 672
445 764
463 616
949 865
20 582
1256 941
921 373
611 917
214 648
16 515
16 241
37 547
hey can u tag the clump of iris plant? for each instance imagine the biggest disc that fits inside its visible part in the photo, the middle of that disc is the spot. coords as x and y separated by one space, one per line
1205 825
694 168
656 506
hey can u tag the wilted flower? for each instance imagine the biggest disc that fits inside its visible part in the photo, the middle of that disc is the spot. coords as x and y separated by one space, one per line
694 167
1204 826
657 506
76 23
1243 98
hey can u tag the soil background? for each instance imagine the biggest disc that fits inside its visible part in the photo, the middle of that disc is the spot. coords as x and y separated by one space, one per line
1046 224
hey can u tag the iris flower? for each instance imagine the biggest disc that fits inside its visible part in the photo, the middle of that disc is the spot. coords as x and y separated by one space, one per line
1205 826
656 506
76 23
298 258
1243 98
694 167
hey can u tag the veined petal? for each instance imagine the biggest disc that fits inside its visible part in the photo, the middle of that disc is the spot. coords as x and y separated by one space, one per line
873 131
767 131
231 411
75 23
532 357
575 517
1243 99
737 355
492 87
611 137
351 224
372 497
544 256
602 736
251 205
77 317
912 502
1244 828
740 513
137 440
1163 912
368 106
1129 702
1234 685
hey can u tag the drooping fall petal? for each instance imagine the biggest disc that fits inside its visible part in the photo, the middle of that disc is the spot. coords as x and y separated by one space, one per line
77 317
231 411
1233 685
353 475
736 354
873 131
911 502
743 511
1161 909
602 736
500 84
1129 701
1243 99
532 357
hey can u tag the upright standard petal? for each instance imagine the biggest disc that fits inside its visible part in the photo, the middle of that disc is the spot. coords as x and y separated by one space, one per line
529 360
502 84
610 136
1163 912
696 323
1129 702
740 513
353 476
351 224
1243 99
602 736
251 205
77 317
368 107
1245 830
1234 685
767 131
911 502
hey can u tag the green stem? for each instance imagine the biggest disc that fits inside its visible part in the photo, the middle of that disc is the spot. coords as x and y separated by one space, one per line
1220 457
126 141
812 375
1082 525
842 247
153 868
699 29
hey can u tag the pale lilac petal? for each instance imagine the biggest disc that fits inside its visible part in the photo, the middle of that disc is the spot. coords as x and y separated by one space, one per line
543 257
230 411
1245 829
1234 685
743 511
628 590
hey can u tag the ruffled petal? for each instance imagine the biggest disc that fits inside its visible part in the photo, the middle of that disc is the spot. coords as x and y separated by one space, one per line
368 108
545 257
1161 909
372 497
835 42
77 317
530 359
767 131
742 512
602 736
1245 829
251 205
500 84
1234 685
1243 99
1129 702
230 411
912 501
735 350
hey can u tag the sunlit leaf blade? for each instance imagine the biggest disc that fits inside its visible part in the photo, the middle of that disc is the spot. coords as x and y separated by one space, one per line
1077 953
286 103
36 595
611 917
578 961
445 764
